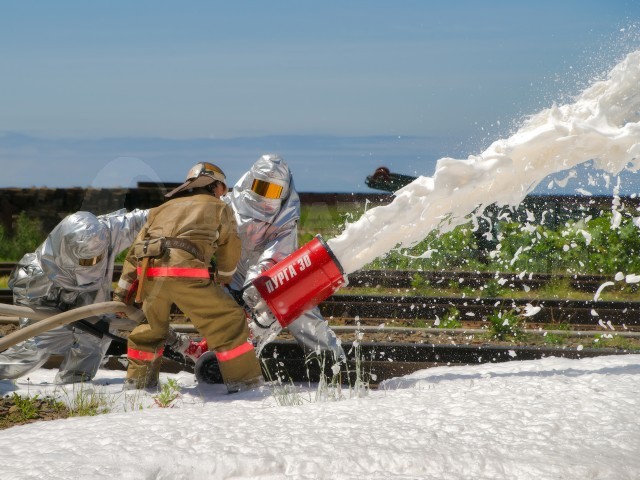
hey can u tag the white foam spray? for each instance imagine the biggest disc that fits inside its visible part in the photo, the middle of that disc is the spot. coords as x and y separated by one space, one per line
602 125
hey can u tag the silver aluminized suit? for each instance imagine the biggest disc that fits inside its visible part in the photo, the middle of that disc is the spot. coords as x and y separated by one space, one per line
52 278
268 229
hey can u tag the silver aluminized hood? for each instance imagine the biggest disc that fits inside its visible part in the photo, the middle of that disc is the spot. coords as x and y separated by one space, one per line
78 236
247 203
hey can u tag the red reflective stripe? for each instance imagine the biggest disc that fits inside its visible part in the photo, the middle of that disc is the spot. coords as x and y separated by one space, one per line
176 272
144 356
234 352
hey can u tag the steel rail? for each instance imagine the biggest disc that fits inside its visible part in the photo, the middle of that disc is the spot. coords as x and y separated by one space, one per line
624 314
405 278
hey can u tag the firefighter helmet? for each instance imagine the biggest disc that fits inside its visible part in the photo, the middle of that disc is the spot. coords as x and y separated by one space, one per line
201 175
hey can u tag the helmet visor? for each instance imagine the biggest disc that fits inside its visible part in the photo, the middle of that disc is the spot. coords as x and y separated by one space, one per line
90 262
266 189
201 175
208 169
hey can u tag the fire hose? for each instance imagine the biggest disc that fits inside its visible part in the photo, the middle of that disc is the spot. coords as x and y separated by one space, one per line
45 320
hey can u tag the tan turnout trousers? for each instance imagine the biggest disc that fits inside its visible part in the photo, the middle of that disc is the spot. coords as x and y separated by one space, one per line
195 227
212 311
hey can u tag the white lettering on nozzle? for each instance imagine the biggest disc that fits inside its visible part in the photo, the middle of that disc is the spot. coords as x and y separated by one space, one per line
287 273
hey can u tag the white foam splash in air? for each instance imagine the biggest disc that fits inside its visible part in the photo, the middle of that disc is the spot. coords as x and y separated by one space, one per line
602 125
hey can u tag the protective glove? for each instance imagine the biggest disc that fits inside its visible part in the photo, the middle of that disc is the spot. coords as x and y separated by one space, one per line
183 344
263 324
251 298
196 349
128 295
260 312
236 294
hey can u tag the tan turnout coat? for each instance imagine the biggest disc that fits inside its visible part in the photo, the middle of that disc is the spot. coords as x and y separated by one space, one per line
208 223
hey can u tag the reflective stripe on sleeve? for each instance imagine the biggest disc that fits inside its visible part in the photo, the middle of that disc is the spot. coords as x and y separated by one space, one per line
123 284
227 274
175 272
234 352
144 356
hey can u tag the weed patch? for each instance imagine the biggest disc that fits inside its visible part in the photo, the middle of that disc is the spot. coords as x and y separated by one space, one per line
169 392
18 410
504 325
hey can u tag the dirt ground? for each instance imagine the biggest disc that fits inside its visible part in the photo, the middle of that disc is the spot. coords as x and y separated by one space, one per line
18 411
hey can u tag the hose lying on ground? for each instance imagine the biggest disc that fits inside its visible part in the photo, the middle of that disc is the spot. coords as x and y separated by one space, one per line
45 321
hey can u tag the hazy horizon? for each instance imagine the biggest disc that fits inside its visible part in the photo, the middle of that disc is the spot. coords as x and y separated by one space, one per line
320 163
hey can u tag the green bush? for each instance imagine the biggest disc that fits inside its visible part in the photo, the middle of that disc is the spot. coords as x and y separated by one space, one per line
592 247
451 319
547 248
557 246
28 235
454 250
504 325
612 250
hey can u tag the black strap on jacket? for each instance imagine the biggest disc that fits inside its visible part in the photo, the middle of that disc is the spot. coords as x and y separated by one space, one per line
186 245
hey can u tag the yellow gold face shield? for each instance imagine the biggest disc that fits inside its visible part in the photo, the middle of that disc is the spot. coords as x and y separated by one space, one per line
266 189
90 262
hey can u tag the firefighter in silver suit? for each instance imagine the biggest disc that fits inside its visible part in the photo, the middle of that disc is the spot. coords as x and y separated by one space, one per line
267 210
72 268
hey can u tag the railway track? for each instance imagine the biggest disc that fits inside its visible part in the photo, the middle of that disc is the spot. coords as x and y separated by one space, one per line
401 351
372 309
474 310
400 354
406 278
373 362
369 362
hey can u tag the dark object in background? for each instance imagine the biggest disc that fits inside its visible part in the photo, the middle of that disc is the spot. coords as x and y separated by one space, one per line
207 369
383 179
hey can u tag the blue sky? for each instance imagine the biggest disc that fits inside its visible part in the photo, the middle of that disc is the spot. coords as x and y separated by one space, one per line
338 88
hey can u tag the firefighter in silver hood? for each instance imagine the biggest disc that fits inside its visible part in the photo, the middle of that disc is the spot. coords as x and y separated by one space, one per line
72 268
267 210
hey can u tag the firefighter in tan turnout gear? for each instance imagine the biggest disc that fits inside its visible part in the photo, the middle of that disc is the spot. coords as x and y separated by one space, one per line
169 263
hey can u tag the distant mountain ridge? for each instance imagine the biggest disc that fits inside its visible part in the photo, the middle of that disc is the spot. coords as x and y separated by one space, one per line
320 163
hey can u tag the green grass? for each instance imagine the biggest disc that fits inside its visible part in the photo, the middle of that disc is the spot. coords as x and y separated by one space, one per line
450 320
85 401
504 325
555 339
26 238
26 407
326 220
615 341
545 293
